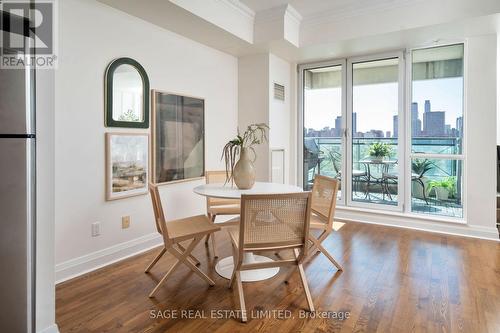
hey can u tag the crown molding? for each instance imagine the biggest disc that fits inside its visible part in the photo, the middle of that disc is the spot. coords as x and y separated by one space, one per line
293 14
240 7
278 13
271 14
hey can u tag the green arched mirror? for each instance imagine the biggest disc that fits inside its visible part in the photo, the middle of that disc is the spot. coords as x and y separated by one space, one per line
126 94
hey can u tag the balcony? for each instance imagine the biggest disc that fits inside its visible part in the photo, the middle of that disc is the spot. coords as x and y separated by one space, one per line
436 191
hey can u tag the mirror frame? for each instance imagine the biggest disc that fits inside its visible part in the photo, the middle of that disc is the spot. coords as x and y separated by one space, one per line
108 94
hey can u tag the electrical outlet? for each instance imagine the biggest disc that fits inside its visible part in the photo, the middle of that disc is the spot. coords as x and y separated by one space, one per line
125 222
96 229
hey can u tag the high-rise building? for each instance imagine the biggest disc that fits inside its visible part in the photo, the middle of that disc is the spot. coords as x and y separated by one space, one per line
354 122
416 124
374 134
434 123
395 126
337 131
427 107
459 126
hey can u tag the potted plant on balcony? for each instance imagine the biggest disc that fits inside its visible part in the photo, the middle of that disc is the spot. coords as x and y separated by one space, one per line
243 171
443 188
379 150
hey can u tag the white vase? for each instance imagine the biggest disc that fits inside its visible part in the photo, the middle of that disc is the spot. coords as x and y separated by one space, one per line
441 193
244 171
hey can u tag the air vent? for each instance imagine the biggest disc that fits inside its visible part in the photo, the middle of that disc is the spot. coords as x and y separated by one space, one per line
279 92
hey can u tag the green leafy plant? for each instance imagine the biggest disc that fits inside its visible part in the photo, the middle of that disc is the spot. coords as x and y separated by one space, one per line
128 115
448 183
379 149
255 134
421 167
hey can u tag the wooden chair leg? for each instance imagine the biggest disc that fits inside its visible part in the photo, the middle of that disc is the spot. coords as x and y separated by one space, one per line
241 297
311 250
194 260
165 277
328 255
155 260
304 283
189 264
212 218
214 251
235 265
181 257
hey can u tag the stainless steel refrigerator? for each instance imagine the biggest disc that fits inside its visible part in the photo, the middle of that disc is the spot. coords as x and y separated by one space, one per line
17 191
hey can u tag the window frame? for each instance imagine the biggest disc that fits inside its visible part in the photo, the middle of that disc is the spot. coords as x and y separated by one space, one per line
301 110
404 141
409 155
401 115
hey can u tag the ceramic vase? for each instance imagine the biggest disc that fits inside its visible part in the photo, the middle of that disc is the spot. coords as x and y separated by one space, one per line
244 171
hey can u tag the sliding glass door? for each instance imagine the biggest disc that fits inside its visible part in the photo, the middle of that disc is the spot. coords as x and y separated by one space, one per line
324 125
351 114
390 152
375 114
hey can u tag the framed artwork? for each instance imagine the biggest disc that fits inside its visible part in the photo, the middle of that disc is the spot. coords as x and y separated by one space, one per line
126 94
127 157
178 129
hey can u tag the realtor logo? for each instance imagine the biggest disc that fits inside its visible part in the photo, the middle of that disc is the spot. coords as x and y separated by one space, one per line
28 33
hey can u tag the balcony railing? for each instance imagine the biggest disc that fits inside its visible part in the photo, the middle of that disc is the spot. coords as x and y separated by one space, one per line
318 159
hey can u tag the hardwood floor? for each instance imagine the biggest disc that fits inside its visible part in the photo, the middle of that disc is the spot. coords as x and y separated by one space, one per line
394 280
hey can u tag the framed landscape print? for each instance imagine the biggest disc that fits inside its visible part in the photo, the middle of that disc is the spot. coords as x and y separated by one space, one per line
127 160
178 129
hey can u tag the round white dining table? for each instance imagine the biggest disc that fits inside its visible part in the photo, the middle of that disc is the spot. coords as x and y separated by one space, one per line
225 266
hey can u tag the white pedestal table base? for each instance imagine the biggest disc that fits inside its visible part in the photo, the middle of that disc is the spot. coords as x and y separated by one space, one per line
225 268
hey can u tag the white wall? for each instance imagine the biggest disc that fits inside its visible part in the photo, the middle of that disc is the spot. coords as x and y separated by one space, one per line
45 291
280 111
498 88
481 119
253 103
173 64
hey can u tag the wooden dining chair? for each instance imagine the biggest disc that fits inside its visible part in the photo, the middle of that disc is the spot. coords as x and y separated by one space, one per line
174 232
271 222
218 206
324 201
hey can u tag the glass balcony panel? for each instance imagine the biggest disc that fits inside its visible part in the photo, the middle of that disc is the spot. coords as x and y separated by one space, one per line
436 187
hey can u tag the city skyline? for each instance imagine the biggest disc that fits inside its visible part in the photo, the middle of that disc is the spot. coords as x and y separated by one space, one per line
432 125
376 104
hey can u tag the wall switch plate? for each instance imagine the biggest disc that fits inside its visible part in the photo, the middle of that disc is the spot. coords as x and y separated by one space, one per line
96 229
125 222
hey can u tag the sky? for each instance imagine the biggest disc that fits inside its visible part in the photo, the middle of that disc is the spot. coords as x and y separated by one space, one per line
376 104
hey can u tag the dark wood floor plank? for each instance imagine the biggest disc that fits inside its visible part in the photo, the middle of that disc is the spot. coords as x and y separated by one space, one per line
394 280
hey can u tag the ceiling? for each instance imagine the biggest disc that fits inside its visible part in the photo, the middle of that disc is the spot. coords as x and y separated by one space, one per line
311 8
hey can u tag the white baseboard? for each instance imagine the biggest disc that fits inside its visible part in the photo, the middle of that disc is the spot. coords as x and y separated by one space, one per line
400 221
95 260
51 329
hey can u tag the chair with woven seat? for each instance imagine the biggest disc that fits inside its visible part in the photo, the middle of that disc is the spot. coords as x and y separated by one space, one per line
324 202
271 222
219 207
174 232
